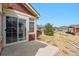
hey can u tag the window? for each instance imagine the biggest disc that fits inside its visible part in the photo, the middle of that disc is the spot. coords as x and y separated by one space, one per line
31 25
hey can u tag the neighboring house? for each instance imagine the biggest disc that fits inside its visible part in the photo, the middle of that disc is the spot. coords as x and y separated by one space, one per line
17 23
74 29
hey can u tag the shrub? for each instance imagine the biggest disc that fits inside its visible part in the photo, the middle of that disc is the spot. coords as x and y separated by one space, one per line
48 29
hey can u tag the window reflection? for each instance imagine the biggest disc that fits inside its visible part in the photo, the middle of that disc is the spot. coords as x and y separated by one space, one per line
31 25
11 29
22 29
15 28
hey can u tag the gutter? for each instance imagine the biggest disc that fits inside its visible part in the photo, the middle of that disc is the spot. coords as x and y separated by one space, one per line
34 9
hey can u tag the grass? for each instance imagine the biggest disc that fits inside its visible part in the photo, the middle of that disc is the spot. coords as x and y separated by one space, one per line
58 40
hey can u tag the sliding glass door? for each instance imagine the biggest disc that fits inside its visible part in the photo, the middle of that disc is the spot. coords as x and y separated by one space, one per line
15 29
11 29
22 29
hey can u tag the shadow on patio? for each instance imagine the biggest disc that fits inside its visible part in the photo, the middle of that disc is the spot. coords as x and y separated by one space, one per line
27 49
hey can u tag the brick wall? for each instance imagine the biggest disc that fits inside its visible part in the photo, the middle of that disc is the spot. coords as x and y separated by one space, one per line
31 37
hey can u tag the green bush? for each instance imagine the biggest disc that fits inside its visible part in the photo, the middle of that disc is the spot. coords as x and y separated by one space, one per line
48 29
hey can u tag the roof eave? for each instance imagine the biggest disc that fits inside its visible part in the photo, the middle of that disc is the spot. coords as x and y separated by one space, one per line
33 10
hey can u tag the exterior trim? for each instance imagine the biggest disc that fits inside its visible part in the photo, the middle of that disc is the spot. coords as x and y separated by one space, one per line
11 13
30 6
20 13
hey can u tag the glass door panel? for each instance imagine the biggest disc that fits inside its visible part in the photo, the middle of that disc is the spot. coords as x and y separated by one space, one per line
11 29
15 29
22 29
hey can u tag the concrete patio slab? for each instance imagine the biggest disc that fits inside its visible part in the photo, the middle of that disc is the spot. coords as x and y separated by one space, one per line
48 51
29 49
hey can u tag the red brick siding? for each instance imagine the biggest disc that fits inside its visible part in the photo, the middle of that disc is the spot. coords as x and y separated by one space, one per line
77 30
21 8
31 37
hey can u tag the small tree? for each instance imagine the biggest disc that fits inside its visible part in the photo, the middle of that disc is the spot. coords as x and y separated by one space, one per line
48 29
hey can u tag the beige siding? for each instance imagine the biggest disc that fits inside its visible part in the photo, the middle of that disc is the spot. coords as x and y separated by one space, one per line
71 30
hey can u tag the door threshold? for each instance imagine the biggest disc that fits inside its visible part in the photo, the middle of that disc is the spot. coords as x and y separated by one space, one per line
15 43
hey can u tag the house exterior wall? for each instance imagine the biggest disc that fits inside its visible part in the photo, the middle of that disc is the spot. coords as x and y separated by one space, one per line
18 11
76 31
0 18
70 30
20 7
18 15
30 35
0 28
33 35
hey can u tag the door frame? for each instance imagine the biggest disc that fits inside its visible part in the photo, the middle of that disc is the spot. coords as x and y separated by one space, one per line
4 27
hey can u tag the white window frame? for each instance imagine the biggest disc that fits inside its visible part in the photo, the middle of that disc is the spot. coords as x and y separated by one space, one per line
33 24
16 14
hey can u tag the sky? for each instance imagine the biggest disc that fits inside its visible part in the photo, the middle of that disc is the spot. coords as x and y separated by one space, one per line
57 14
